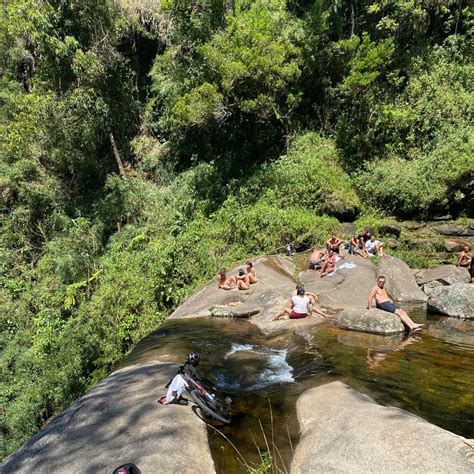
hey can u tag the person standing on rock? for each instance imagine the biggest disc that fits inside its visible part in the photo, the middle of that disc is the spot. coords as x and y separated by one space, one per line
383 302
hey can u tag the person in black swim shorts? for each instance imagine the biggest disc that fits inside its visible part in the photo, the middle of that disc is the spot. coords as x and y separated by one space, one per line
383 302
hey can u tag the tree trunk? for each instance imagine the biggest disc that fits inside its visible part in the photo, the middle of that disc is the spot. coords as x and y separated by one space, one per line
117 156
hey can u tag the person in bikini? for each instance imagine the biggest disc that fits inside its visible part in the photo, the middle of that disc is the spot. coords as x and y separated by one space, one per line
299 306
243 280
334 244
383 302
315 258
329 265
252 273
224 282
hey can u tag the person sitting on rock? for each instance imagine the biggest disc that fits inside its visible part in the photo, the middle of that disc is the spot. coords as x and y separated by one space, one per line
243 280
252 273
374 247
224 282
315 258
464 257
313 298
299 306
329 265
334 244
354 247
383 302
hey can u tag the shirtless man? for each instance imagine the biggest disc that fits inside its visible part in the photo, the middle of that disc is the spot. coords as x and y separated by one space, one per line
384 303
315 258
224 282
334 244
464 257
328 265
252 273
243 280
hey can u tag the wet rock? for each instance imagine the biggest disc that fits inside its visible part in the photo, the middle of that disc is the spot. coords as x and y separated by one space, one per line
392 229
391 243
230 312
347 228
454 300
455 245
400 282
374 321
445 274
343 430
118 421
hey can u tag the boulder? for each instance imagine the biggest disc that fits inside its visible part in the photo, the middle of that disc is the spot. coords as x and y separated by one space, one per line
243 311
413 225
428 288
445 274
455 230
471 224
454 300
400 282
345 431
374 321
392 229
391 243
455 245
119 421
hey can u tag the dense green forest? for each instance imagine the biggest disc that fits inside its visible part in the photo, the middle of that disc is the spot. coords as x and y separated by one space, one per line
144 144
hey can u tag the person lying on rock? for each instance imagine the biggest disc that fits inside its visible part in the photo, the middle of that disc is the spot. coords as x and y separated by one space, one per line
329 265
224 282
374 247
315 258
383 302
243 280
177 385
334 244
252 273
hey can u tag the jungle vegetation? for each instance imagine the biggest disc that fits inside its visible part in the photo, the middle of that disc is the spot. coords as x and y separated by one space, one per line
144 144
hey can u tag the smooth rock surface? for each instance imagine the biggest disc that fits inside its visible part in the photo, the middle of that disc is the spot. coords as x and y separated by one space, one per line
445 274
345 431
119 421
374 321
454 300
428 288
400 282
269 295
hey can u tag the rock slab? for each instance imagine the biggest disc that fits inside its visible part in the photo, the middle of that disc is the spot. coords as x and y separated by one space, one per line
344 431
374 321
119 421
400 282
445 274
455 300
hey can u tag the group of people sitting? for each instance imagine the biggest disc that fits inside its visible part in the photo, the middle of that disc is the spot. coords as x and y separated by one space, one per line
363 244
465 260
242 281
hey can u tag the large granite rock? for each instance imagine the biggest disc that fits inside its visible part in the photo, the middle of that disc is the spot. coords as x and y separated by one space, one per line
455 245
346 288
445 274
119 421
390 229
454 230
455 300
374 321
260 303
400 282
344 431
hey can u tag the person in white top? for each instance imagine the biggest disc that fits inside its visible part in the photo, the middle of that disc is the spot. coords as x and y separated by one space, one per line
300 305
374 247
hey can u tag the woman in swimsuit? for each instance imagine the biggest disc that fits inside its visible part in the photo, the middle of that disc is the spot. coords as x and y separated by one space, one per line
328 265
299 306
224 282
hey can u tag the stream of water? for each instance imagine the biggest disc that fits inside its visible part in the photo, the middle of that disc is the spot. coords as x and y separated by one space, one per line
431 375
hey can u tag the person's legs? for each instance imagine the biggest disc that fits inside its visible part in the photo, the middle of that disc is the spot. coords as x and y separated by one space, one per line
175 390
242 286
379 250
283 314
407 320
329 269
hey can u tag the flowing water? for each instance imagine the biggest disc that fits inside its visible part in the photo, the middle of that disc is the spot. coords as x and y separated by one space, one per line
431 375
